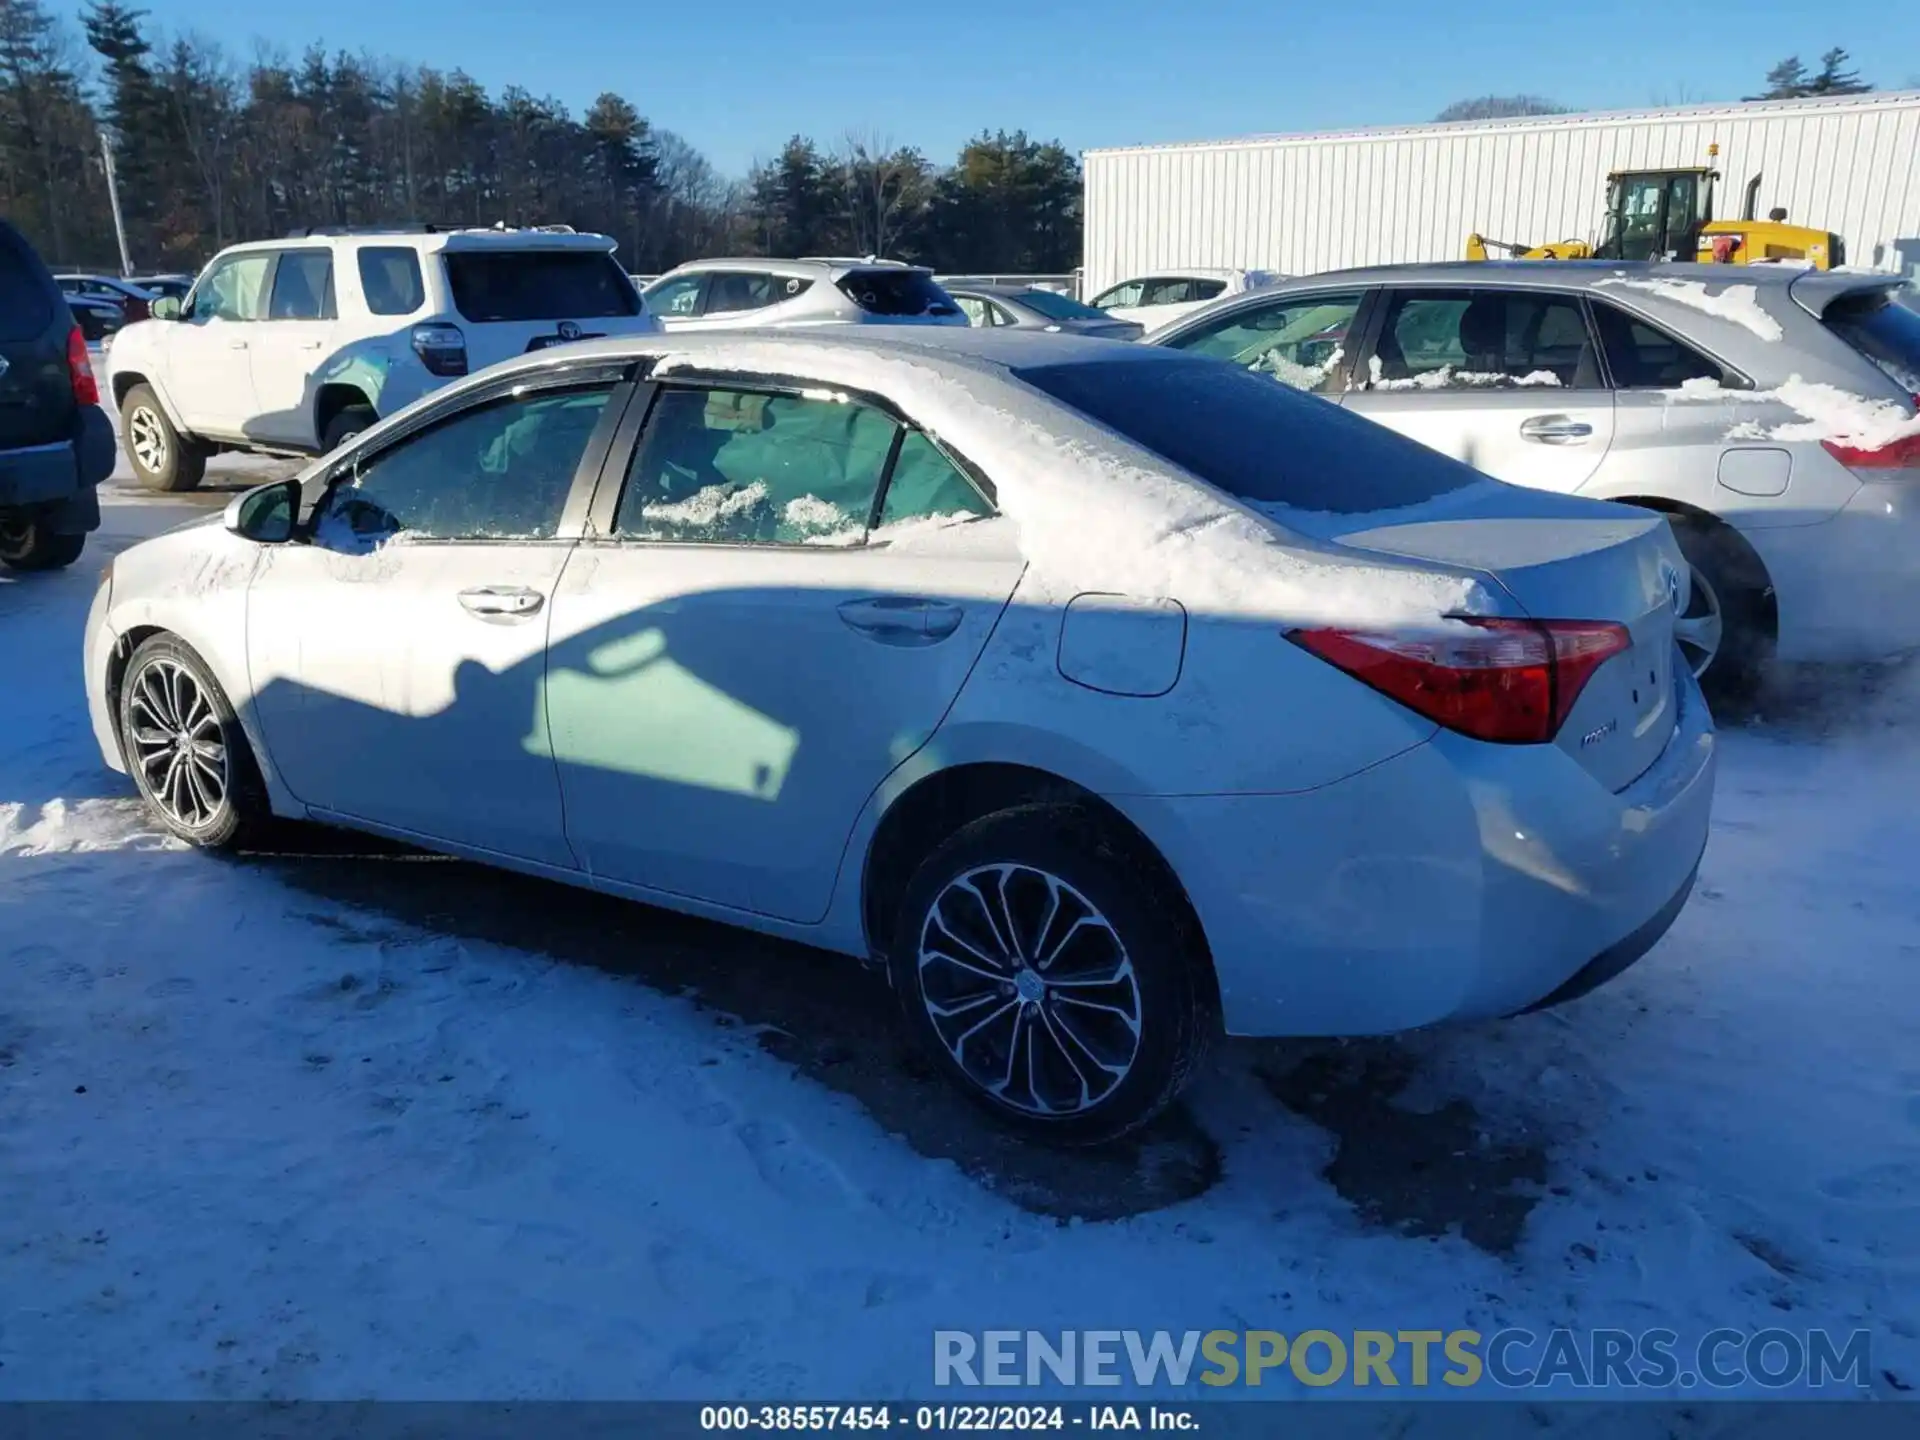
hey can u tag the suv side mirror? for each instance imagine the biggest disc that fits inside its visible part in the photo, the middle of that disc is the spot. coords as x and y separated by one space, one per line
167 307
265 514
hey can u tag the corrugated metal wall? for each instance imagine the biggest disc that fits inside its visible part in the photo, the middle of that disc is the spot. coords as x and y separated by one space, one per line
1301 204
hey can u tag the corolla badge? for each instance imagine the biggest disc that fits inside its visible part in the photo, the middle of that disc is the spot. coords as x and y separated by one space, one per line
569 330
1672 577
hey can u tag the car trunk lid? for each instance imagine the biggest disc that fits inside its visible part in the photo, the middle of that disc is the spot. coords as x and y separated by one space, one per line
1563 558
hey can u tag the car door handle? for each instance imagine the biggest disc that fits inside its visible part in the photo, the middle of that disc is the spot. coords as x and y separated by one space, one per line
1555 429
902 619
307 345
501 601
236 344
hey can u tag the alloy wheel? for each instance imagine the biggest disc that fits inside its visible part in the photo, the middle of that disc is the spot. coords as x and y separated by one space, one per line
147 434
15 537
1701 628
1030 989
178 743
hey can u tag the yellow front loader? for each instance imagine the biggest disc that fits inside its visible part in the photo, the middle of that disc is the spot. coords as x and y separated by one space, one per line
1668 215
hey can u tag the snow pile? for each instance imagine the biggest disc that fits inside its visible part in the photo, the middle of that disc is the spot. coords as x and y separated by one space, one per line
1300 377
1095 512
1448 378
1738 304
1828 413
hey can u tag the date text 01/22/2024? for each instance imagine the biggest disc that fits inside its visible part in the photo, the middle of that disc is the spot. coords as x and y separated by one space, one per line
971 1419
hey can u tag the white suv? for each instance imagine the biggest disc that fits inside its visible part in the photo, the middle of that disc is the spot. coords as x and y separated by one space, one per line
290 347
725 294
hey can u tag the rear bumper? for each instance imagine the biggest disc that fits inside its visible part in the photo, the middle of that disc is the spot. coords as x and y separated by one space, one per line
64 474
1848 588
1455 881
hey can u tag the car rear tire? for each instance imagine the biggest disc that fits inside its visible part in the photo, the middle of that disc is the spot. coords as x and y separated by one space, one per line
1050 975
162 458
344 426
1727 631
27 544
185 748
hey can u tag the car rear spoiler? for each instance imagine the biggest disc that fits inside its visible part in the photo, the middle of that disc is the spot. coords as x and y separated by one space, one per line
1815 290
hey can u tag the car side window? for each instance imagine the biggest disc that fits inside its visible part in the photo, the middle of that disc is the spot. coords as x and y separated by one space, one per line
302 286
233 289
1641 357
740 467
999 315
1168 292
730 291
499 471
974 310
1127 293
1300 340
1483 340
390 279
925 485
679 298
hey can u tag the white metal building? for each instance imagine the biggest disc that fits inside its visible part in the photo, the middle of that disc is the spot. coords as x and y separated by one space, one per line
1305 203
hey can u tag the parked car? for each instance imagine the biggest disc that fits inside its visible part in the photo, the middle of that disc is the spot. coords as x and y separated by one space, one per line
730 294
1680 388
135 301
56 444
99 320
1024 307
291 347
176 286
1167 295
745 626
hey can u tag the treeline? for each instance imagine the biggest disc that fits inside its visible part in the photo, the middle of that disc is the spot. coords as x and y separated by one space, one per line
209 150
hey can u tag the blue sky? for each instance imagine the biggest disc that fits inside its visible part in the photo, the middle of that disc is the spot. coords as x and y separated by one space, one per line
737 77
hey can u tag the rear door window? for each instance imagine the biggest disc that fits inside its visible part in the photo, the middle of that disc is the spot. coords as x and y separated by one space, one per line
741 467
1643 357
731 291
1299 340
1258 441
1483 340
896 292
1885 332
26 307
302 286
507 285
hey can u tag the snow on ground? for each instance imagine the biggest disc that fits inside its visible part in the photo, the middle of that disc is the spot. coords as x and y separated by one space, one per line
352 1123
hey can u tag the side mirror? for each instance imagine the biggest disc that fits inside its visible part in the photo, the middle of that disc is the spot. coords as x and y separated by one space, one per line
266 514
167 307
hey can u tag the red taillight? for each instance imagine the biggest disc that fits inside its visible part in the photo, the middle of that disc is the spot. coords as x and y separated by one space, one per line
1512 682
1900 454
86 390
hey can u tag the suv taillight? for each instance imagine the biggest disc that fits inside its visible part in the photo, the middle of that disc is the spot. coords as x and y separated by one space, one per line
86 390
1900 454
1512 682
441 348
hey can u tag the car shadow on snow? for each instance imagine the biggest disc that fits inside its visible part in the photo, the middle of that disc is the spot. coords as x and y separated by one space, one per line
833 1019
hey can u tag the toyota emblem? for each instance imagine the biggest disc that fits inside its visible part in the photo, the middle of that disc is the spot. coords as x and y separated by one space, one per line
1672 577
569 330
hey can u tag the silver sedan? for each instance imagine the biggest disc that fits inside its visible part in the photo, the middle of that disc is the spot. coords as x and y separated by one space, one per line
1028 307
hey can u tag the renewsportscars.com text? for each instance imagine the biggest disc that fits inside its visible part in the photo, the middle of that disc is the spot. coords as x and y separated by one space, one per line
1511 1359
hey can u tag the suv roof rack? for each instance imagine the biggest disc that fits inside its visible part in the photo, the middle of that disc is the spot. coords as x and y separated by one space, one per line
306 232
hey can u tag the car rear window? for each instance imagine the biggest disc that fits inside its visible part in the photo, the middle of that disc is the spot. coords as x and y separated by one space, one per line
1056 306
896 292
1261 442
390 279
1885 332
26 309
539 285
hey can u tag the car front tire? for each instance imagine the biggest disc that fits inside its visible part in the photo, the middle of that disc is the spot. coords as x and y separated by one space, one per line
185 748
1050 975
162 458
27 544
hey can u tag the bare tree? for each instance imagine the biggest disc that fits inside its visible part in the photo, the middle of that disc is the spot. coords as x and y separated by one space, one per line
884 185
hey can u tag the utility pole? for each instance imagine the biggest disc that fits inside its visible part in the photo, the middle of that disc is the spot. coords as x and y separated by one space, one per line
113 199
